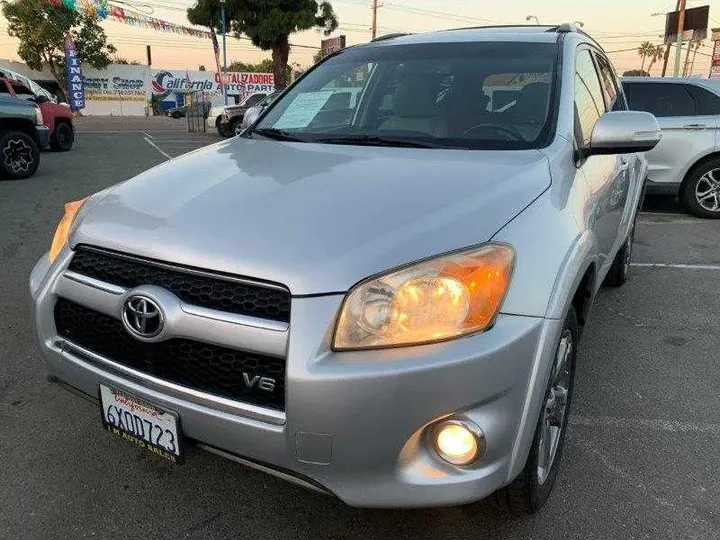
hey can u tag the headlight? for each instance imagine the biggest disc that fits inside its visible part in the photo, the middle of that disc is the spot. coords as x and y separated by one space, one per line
63 229
435 300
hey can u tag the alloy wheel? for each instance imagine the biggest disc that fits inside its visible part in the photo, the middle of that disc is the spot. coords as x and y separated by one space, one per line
707 191
18 156
555 407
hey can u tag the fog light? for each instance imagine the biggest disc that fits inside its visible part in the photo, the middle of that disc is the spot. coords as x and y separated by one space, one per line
459 442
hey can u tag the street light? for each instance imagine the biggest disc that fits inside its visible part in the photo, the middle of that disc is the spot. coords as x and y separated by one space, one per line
529 17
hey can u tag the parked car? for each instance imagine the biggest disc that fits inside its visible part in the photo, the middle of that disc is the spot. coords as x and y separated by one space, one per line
232 119
215 116
32 85
253 113
22 134
382 303
686 163
57 118
177 112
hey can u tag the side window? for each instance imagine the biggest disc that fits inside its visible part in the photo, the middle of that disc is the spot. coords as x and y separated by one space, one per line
613 98
4 89
254 99
660 99
22 91
708 103
589 105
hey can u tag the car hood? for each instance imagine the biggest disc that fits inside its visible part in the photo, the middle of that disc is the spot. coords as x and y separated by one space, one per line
317 218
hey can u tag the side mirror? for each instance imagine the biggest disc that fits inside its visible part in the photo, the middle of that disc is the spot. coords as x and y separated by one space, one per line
622 132
41 99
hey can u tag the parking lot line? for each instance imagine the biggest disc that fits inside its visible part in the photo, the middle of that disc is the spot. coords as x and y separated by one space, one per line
156 147
671 426
679 266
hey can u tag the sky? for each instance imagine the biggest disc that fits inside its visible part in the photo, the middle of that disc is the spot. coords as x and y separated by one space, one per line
618 25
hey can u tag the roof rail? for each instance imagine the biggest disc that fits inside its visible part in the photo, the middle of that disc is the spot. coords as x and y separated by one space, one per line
564 28
390 36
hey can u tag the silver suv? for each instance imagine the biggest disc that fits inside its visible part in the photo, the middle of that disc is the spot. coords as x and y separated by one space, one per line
687 160
376 293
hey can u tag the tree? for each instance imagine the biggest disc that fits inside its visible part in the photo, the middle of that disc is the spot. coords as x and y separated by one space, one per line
268 23
125 61
645 51
42 28
636 73
657 54
264 66
201 68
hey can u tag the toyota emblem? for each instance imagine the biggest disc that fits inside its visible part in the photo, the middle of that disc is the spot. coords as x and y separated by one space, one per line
142 317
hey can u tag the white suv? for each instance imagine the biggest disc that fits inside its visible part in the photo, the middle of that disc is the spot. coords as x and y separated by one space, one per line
687 160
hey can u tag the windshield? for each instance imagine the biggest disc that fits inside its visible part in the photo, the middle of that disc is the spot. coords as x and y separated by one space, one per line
447 95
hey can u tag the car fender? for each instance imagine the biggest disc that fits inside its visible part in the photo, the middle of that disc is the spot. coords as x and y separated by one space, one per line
578 260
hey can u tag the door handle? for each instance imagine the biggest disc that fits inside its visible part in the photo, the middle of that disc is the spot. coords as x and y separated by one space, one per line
695 127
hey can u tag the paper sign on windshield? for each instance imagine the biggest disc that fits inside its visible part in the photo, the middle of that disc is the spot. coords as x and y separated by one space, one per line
303 110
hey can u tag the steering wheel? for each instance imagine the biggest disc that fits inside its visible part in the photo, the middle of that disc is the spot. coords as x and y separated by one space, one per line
507 130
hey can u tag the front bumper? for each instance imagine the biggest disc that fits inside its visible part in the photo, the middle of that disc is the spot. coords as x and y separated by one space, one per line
354 422
43 136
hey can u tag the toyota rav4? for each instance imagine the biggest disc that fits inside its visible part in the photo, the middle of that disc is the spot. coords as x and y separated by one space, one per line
377 290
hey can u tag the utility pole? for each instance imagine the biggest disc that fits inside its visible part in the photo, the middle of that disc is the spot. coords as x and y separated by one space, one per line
679 40
374 18
669 46
224 73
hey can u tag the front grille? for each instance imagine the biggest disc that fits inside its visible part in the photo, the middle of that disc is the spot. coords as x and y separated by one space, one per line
213 291
200 366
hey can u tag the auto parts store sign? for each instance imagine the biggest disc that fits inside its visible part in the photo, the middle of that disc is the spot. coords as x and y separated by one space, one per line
165 83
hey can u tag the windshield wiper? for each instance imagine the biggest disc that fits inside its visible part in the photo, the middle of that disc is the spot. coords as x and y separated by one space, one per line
376 140
276 134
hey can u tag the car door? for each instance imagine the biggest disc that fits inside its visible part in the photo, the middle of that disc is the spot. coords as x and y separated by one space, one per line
633 162
606 175
687 130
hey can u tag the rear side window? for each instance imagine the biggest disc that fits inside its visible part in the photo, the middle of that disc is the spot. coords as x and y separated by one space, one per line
708 103
22 91
660 99
589 104
613 97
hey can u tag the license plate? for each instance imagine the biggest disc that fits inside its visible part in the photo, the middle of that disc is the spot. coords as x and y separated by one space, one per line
146 425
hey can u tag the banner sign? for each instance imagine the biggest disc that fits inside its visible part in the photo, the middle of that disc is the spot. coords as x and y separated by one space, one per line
165 83
76 91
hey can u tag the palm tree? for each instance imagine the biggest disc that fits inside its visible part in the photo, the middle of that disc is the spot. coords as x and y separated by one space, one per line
658 53
645 50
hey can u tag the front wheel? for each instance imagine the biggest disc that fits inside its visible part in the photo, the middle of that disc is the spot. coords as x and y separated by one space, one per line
700 193
19 155
63 138
531 489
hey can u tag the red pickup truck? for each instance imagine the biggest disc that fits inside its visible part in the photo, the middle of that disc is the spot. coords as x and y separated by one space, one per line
57 118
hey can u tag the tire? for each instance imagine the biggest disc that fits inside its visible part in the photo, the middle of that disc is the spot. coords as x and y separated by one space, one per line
236 125
700 193
176 115
63 137
532 488
225 131
220 129
620 269
19 155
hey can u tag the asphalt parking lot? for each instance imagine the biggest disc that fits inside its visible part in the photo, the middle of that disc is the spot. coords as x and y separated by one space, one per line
644 442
